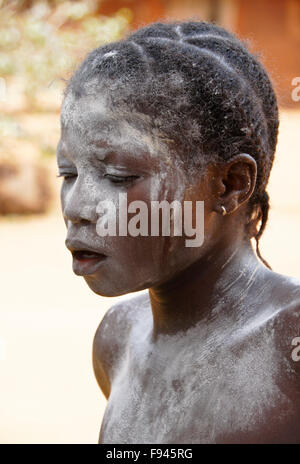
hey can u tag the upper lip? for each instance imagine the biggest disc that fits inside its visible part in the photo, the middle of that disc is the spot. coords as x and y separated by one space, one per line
78 245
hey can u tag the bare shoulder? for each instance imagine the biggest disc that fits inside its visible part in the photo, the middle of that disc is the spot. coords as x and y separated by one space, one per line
287 321
111 337
287 294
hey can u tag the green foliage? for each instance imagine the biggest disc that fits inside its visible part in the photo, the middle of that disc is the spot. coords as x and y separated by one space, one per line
43 43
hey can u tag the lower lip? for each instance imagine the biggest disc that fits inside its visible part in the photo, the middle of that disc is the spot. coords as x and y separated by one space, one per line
87 266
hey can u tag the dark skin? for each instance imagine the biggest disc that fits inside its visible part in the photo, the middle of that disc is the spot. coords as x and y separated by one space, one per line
205 355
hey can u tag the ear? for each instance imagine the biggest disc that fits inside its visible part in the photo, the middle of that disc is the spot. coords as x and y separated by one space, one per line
237 179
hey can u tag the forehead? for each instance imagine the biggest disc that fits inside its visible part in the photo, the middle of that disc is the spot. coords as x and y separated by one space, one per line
90 121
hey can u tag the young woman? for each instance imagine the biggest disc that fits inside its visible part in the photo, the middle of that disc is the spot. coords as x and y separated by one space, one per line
181 111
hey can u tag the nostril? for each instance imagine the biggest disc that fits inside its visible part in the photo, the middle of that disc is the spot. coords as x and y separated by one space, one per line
77 213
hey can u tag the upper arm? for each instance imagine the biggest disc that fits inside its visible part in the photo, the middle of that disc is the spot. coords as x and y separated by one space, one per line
99 361
108 342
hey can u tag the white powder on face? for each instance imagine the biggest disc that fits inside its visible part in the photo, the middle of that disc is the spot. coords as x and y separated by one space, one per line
93 117
73 108
67 113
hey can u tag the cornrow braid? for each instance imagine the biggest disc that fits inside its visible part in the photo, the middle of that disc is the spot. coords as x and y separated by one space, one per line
203 90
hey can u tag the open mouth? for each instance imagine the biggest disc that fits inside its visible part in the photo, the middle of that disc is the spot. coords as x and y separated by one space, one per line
86 262
83 255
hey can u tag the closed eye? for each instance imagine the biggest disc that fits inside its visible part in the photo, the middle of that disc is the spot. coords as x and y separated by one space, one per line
67 175
120 179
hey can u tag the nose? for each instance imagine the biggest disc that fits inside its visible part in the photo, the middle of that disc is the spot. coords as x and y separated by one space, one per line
79 203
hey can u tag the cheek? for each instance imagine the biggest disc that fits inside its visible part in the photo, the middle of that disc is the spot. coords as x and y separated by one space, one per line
134 264
139 262
151 188
157 252
165 185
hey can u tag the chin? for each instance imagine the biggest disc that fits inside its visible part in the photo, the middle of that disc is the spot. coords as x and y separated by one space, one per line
110 288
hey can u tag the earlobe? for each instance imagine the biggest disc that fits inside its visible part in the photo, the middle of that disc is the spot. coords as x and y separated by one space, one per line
224 212
221 209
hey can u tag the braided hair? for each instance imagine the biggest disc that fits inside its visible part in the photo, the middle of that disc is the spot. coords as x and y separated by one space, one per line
205 94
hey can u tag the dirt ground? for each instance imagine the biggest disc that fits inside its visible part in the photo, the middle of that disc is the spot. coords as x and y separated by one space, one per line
48 316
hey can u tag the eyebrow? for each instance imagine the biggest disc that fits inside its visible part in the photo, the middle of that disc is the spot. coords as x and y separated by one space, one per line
103 150
62 152
106 150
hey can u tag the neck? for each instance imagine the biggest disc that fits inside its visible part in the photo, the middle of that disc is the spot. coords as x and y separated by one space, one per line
216 284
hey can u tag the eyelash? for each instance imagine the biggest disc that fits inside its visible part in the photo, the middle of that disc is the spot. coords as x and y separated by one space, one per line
114 179
66 176
120 179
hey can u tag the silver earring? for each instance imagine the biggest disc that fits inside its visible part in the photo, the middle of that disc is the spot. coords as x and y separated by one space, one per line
223 210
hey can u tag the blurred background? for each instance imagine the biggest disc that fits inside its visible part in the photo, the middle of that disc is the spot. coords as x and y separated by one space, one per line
48 316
